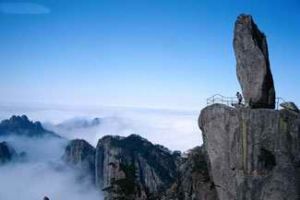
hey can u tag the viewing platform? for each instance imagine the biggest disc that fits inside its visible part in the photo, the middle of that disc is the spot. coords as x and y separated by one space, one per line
231 101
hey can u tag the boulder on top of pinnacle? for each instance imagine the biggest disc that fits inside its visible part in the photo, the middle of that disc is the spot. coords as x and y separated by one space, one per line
253 66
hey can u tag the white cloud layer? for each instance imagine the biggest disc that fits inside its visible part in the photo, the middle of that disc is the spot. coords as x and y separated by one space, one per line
177 130
23 8
42 173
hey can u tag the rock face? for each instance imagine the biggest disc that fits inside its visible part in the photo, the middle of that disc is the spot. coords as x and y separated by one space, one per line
81 154
133 168
193 181
22 126
253 66
254 154
6 152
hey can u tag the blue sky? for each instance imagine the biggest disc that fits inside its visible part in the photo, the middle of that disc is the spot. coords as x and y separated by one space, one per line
143 53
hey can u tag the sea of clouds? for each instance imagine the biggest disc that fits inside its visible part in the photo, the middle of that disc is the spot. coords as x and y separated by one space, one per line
175 129
43 172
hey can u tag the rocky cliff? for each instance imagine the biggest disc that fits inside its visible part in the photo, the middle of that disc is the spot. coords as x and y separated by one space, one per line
193 181
253 153
81 155
133 168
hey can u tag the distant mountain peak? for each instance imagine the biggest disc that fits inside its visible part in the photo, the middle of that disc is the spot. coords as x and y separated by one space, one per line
79 123
22 126
22 121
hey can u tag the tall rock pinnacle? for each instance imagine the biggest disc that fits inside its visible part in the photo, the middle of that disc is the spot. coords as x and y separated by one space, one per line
253 154
253 66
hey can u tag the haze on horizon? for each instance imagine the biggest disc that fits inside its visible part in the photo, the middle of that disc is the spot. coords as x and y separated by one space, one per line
161 54
141 67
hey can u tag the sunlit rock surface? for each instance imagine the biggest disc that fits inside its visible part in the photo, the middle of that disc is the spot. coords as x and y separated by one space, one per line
253 65
254 154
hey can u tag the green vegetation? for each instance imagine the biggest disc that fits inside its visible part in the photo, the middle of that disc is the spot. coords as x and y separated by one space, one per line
127 185
137 145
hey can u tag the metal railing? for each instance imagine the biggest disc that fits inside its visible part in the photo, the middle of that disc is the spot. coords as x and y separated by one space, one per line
279 100
230 101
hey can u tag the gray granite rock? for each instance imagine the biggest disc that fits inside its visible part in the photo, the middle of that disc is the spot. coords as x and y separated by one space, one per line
253 66
133 168
81 154
193 181
254 154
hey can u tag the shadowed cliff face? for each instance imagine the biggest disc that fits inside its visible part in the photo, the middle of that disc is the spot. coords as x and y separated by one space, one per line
133 168
81 155
6 152
253 154
193 180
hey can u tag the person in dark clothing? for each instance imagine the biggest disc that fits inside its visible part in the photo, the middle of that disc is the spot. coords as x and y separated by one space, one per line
239 97
46 198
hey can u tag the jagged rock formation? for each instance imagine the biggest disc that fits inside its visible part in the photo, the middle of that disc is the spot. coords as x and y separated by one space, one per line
254 154
193 181
81 154
253 66
79 123
22 126
7 152
133 168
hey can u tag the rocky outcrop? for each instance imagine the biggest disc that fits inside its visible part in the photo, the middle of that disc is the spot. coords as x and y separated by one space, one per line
81 154
22 126
7 152
253 66
290 106
193 181
133 168
254 154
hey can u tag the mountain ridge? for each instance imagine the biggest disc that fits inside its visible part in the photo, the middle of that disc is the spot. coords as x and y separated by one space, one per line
22 126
